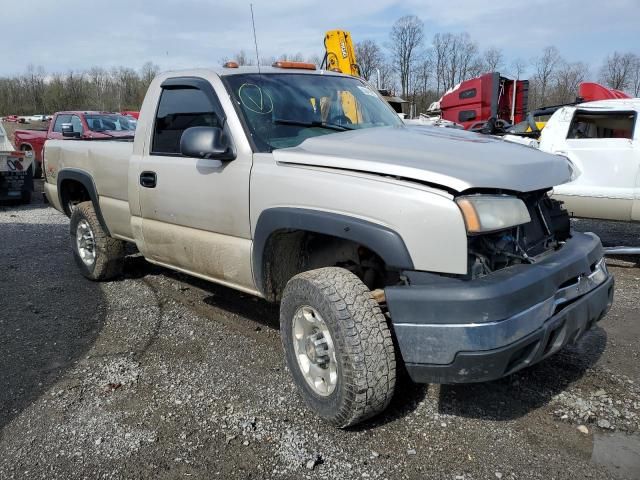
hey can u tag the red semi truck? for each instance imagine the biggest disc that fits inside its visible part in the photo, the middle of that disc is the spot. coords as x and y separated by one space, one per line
491 103
75 124
474 101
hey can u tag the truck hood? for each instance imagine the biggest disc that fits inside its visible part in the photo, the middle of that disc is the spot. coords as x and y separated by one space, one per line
454 159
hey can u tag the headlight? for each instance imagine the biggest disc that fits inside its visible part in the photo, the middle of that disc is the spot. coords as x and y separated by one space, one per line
488 213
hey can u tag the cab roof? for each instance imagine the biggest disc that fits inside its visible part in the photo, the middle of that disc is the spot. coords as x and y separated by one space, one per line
224 72
613 104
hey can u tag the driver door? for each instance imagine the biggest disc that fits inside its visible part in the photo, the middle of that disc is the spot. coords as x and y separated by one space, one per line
195 211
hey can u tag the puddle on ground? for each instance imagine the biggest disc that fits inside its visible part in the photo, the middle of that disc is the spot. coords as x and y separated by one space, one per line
619 453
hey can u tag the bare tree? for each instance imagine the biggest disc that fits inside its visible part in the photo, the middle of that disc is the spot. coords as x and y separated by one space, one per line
635 78
315 59
466 59
423 93
148 72
387 77
292 57
243 58
518 67
492 59
35 86
441 47
566 82
407 35
618 70
369 57
546 66
455 59
100 83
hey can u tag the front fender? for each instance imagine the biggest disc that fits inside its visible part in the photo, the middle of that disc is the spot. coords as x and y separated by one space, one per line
386 243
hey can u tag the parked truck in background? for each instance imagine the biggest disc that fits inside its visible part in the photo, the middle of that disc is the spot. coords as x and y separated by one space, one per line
602 140
80 124
16 178
436 248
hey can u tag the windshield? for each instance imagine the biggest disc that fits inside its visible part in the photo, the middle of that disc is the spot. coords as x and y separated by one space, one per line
110 122
282 110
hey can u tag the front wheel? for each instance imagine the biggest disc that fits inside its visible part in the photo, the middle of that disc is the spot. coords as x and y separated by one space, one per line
99 256
337 345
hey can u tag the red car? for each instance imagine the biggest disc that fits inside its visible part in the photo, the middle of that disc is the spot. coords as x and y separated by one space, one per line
11 118
78 125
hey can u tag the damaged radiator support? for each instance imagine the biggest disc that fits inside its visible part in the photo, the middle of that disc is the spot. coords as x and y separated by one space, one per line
548 229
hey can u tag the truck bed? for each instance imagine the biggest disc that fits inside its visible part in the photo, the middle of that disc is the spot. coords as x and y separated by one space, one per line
107 162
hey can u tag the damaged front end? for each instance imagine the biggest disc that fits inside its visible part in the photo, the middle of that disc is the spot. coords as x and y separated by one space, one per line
532 287
546 232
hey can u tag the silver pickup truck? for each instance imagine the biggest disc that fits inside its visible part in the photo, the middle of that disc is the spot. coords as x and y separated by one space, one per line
387 246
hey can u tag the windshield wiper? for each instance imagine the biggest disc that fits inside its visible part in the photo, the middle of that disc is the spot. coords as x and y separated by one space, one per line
328 126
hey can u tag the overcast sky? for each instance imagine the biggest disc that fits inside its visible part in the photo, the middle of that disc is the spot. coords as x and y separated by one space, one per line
79 34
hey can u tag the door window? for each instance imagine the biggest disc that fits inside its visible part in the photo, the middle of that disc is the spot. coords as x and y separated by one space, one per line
60 119
179 109
589 125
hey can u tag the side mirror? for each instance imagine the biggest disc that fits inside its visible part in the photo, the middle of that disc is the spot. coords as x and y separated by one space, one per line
67 131
206 142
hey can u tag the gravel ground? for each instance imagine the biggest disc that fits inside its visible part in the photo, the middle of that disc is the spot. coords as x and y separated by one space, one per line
158 375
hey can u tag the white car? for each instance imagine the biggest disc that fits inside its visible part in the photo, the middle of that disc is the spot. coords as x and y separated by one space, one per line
37 118
602 140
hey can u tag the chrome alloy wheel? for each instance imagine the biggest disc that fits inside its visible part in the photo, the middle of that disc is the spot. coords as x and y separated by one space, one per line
86 243
314 350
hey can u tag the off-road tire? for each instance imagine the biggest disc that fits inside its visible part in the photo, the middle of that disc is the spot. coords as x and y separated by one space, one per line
362 341
109 251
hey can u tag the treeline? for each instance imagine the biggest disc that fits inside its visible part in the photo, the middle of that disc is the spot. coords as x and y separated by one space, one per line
36 92
409 64
421 69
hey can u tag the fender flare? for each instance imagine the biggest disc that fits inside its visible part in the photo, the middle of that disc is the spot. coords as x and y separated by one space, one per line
86 181
378 238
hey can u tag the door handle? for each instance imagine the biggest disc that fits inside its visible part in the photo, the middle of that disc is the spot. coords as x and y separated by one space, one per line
148 179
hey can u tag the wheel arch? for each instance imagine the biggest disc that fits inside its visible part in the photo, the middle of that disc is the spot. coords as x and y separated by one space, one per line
379 239
71 176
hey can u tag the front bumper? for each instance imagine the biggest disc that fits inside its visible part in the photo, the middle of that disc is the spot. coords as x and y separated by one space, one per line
455 331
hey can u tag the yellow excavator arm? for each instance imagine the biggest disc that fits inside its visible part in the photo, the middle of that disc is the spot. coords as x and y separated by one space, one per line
340 54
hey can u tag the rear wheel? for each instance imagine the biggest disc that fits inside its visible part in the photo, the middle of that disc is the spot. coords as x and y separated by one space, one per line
98 256
337 345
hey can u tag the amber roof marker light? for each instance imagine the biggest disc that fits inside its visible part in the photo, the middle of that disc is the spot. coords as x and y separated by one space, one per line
298 65
230 64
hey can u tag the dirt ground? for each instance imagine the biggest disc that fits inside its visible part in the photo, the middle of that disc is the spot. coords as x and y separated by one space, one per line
157 375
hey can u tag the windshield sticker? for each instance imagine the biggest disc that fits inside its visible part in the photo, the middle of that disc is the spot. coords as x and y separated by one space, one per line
367 91
255 99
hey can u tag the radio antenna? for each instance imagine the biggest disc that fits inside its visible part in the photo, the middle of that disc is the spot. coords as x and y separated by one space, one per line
255 39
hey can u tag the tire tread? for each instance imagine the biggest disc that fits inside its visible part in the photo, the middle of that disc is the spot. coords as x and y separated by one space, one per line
364 339
110 251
